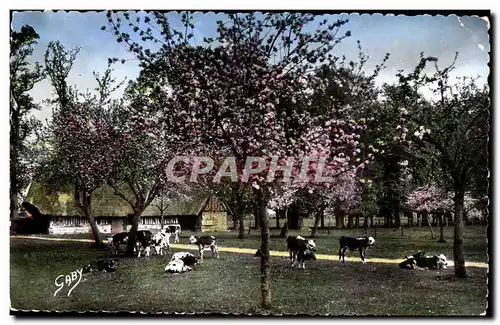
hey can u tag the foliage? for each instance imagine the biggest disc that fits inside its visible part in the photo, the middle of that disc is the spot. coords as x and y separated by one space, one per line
24 127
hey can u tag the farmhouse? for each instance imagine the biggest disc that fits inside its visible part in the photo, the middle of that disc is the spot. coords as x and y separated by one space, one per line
204 213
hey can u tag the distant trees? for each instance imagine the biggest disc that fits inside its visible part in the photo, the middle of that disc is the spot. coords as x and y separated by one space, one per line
23 127
453 130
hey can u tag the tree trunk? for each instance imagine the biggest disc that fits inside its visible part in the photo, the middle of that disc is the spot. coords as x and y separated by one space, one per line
241 232
323 220
14 203
264 261
84 202
458 240
397 217
133 232
441 228
235 223
256 218
317 221
349 221
284 230
429 221
339 218
278 219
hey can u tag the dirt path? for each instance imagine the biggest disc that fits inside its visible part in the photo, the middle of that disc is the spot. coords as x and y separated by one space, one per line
252 251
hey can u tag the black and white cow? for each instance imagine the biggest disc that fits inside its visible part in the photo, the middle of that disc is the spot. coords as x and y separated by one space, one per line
144 241
300 249
422 261
101 265
174 231
116 240
181 262
205 242
353 243
188 258
410 262
161 242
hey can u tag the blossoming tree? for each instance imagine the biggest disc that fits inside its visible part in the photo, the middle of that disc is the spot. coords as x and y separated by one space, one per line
245 93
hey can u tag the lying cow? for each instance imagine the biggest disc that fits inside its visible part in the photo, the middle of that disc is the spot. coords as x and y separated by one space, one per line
352 243
161 242
181 262
300 250
188 258
177 266
426 262
101 265
144 241
116 240
205 242
410 262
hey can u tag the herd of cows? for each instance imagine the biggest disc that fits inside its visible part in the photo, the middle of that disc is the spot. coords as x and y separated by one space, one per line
300 249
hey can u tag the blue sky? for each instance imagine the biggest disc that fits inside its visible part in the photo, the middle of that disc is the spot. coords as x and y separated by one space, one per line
402 36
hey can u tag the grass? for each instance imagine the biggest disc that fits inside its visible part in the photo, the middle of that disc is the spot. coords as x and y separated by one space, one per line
231 284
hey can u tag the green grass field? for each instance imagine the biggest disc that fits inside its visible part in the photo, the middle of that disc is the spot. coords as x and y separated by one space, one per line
231 284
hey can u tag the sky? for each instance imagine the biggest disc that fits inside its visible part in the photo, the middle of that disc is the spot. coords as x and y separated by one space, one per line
405 37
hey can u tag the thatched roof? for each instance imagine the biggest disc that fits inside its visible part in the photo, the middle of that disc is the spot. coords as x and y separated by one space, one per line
106 203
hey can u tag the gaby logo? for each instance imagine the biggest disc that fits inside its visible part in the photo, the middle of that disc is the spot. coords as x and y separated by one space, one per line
67 280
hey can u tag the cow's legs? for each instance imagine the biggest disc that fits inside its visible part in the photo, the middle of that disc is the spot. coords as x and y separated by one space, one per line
291 257
344 252
362 251
148 249
215 250
200 250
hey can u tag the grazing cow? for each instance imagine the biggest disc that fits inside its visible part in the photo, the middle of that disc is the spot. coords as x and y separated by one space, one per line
426 262
352 243
188 258
144 240
161 242
300 249
205 242
116 240
174 230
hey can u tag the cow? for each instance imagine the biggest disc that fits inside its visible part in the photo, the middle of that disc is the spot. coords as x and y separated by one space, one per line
102 265
205 242
353 243
116 240
188 258
426 262
181 262
175 231
300 250
161 242
144 240
410 262
177 266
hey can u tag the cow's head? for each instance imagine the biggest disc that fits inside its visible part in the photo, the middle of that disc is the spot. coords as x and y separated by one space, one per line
309 255
441 263
110 241
311 245
193 239
371 241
